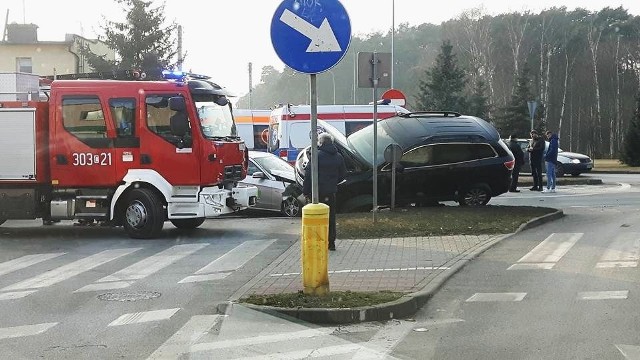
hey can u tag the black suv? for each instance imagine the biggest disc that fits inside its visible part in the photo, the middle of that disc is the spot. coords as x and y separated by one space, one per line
445 156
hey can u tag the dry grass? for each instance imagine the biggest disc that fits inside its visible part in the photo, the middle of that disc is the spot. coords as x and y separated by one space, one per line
437 221
613 165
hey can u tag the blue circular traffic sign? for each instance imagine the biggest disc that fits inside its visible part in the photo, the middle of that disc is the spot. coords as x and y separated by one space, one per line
310 36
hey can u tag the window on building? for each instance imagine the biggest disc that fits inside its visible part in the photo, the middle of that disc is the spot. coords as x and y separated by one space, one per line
23 64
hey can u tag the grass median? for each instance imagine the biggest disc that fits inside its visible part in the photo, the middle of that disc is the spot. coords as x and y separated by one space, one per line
405 222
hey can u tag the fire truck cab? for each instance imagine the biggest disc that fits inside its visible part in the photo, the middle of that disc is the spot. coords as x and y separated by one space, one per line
130 153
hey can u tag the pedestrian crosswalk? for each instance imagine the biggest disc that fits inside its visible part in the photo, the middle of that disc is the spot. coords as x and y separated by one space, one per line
236 336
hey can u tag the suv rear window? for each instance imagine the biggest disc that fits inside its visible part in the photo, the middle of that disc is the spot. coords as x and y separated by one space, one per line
439 154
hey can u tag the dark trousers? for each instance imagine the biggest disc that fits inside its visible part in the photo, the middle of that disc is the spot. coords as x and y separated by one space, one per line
330 200
514 177
536 172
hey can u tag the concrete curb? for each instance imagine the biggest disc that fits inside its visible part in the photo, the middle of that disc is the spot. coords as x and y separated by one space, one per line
406 306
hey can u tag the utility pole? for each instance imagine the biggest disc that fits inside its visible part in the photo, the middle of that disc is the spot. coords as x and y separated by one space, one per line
250 85
180 47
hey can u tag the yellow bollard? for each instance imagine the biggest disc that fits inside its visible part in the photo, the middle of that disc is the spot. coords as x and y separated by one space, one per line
314 245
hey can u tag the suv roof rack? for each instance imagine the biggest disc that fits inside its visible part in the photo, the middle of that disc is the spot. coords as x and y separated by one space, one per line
431 113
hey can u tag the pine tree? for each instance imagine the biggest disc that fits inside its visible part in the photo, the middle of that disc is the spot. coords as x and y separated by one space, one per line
630 153
140 42
444 84
479 102
514 118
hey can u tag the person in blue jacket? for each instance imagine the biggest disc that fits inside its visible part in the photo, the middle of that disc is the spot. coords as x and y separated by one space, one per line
550 159
331 171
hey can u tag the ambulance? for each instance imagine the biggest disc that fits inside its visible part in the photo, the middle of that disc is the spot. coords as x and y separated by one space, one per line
253 127
290 125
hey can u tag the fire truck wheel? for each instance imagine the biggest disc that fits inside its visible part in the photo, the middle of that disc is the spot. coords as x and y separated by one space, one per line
187 223
144 215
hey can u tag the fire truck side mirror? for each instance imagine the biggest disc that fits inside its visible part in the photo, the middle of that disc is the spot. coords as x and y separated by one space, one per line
179 124
221 100
177 103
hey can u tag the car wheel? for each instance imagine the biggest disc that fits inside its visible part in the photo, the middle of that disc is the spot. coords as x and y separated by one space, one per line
291 207
187 224
559 170
475 195
144 215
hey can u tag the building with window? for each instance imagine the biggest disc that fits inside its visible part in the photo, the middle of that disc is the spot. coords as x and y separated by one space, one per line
22 52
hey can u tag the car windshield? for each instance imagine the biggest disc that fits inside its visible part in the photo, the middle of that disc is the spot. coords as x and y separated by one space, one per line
274 165
361 141
216 121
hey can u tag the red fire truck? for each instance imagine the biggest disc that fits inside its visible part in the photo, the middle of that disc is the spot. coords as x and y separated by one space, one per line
124 152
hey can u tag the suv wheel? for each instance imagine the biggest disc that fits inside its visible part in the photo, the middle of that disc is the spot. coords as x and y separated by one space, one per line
475 195
559 170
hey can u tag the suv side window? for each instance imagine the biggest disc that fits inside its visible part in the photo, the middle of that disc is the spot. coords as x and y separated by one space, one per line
446 153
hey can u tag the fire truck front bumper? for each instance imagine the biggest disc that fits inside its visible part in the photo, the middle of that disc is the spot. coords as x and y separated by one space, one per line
218 202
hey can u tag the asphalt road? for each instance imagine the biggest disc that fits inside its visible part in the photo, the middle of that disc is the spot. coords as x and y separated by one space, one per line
73 292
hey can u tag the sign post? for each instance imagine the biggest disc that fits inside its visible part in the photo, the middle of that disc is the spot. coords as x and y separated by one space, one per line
311 37
373 72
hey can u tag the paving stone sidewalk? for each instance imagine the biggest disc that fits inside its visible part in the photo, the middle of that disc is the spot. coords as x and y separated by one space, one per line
399 264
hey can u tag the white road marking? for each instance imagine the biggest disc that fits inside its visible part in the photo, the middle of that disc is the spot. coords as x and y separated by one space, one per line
496 297
548 252
70 270
105 286
539 266
347 271
623 252
25 330
181 342
25 261
384 341
325 351
262 339
603 295
630 352
16 294
145 316
230 261
140 270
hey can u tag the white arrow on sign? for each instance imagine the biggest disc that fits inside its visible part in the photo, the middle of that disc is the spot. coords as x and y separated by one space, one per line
322 39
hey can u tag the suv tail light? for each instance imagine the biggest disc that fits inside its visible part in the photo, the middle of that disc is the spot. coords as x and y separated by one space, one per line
509 164
284 154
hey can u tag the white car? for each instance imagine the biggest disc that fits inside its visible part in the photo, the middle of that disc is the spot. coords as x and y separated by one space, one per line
275 180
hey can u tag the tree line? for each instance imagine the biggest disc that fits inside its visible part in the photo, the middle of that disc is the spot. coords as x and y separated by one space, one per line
581 67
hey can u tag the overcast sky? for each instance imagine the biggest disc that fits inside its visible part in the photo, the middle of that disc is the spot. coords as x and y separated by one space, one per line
222 37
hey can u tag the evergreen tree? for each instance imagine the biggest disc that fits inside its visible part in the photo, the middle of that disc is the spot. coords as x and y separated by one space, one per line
443 87
630 153
140 42
514 117
479 102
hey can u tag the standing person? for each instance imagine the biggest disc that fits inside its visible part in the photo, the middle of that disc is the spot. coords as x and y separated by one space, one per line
331 171
536 149
518 154
550 159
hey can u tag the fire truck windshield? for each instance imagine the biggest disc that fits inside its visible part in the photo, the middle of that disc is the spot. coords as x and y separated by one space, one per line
215 120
